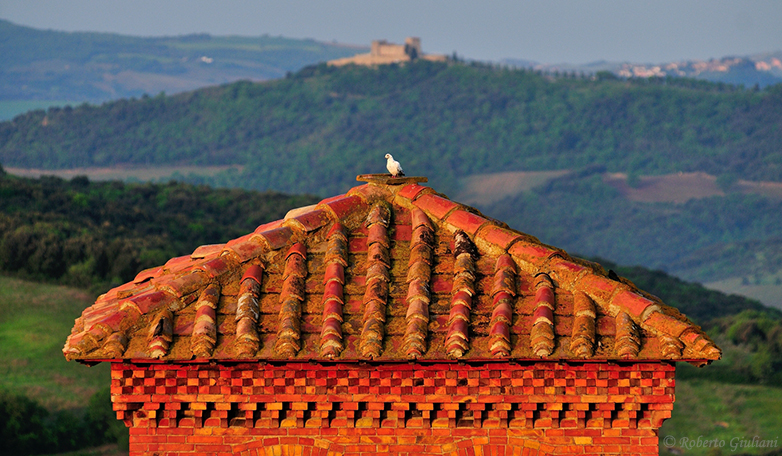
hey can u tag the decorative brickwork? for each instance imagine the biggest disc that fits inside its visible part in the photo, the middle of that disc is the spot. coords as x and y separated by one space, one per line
548 408
387 320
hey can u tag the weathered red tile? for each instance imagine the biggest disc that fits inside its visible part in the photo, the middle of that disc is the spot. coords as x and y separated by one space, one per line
125 290
216 267
505 262
436 205
569 266
690 336
543 313
178 263
332 198
147 274
180 284
369 192
112 320
333 288
632 303
335 229
334 271
404 318
298 249
254 272
412 191
246 247
268 226
534 253
441 284
402 232
147 302
207 250
357 244
313 220
184 325
239 240
597 285
498 236
277 238
667 324
466 221
344 207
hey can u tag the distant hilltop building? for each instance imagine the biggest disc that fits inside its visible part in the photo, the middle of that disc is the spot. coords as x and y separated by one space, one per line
384 52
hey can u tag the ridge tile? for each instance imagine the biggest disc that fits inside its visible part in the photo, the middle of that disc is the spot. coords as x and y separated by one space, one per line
412 191
435 205
466 221
345 206
389 272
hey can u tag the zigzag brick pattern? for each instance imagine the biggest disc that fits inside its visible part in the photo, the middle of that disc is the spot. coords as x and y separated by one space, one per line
387 320
554 408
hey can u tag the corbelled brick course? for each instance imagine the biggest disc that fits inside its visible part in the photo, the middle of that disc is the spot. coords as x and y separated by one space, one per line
496 408
387 320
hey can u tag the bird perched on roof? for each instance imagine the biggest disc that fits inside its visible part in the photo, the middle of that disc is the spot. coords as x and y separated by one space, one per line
393 166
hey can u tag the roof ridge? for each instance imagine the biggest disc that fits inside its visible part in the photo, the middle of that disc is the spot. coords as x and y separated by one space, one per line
182 281
534 256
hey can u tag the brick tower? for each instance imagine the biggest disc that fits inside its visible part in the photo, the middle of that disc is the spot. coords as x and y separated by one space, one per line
387 320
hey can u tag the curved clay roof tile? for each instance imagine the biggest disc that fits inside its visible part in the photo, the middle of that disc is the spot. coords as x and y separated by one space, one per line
389 271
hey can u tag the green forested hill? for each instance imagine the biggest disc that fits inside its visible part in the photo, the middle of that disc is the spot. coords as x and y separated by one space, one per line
315 131
82 66
100 234
703 239
96 234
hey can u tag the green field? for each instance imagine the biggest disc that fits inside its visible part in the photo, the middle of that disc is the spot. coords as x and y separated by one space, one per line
725 412
35 319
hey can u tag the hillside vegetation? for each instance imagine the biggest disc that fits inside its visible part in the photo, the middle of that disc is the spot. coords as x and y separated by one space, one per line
95 235
701 239
148 223
314 131
80 66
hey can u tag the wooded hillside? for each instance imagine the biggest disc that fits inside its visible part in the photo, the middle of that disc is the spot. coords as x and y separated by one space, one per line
97 234
313 132
100 234
316 130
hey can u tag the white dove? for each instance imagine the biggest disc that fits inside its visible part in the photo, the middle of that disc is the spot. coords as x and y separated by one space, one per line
393 166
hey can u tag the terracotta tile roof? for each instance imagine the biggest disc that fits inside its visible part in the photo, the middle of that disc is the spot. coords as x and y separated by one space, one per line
390 271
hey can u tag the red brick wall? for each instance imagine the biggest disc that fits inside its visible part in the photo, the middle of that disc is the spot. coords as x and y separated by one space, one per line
301 409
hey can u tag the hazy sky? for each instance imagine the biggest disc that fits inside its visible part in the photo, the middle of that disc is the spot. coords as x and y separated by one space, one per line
551 31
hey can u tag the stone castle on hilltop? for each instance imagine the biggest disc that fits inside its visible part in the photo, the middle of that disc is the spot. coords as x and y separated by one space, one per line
383 53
